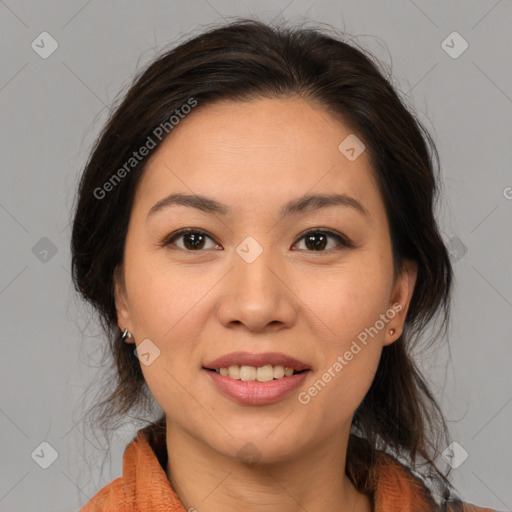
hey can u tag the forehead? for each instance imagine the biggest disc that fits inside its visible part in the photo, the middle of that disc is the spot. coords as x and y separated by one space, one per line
257 152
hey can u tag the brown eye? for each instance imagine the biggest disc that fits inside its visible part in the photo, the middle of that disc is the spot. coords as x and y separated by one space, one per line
193 240
317 240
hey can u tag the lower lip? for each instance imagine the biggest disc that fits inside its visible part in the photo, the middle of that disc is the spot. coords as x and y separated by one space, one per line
254 392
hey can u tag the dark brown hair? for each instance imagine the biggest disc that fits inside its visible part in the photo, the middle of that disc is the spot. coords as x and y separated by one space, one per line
248 59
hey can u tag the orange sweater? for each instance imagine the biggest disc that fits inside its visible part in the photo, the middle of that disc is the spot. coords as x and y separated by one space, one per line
144 486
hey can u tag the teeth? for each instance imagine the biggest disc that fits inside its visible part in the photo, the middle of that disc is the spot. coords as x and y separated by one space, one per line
278 372
234 372
261 374
265 373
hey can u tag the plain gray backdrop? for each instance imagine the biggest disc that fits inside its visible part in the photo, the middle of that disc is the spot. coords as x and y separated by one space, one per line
52 109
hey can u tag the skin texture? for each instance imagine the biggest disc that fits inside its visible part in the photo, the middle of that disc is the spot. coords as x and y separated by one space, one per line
196 305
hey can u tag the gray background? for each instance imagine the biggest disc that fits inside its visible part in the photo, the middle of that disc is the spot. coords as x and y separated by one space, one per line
53 108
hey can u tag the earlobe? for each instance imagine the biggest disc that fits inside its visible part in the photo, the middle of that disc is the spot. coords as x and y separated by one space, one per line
400 300
391 336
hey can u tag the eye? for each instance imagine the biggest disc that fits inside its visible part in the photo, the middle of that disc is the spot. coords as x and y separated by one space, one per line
316 240
194 239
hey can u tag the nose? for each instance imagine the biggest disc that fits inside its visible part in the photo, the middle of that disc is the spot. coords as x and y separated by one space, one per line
257 296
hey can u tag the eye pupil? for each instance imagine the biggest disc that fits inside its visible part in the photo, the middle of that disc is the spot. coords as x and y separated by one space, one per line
316 245
196 238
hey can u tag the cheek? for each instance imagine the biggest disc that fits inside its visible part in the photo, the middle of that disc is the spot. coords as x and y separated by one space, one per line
335 395
163 298
162 308
349 337
349 355
348 300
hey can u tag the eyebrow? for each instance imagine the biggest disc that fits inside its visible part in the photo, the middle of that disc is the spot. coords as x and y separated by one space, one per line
304 204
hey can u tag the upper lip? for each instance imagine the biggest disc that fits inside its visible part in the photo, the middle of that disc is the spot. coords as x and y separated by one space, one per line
248 359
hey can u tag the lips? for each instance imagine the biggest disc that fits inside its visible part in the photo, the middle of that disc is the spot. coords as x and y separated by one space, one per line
254 392
257 360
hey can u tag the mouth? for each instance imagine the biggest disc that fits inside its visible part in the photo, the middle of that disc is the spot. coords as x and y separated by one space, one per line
256 379
264 367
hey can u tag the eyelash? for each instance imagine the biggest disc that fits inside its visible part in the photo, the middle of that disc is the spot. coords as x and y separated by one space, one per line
343 241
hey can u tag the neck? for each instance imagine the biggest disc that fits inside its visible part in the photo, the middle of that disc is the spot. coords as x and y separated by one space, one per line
314 480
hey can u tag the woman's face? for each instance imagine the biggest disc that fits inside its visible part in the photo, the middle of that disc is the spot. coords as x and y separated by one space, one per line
248 278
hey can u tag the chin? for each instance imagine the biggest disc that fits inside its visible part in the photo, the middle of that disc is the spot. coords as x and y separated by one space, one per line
256 446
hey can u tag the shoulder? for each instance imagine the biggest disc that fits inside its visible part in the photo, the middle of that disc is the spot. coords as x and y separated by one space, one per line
111 498
396 487
143 484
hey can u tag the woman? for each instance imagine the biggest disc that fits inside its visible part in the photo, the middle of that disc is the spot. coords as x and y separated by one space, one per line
255 228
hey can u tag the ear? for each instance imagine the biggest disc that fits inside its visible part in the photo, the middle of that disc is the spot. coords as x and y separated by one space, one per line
400 300
123 315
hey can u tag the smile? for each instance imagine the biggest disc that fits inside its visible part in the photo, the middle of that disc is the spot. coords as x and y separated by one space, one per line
264 373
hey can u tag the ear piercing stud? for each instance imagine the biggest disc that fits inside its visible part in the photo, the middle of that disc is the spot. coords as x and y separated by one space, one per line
127 335
391 331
